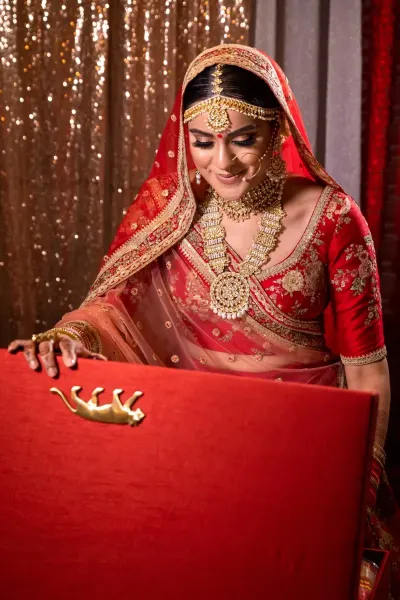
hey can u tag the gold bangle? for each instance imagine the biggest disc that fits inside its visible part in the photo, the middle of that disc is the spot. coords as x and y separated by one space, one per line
86 333
379 454
52 335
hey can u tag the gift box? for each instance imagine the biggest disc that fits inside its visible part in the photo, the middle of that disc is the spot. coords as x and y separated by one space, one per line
222 487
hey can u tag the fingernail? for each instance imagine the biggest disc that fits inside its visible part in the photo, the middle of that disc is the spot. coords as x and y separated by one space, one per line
52 372
32 364
70 362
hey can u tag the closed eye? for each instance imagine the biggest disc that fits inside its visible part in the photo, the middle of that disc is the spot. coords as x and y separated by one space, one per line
248 141
199 144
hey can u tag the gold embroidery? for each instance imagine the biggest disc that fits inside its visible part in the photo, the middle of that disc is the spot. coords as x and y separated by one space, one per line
171 153
168 324
262 315
216 332
203 360
175 358
293 281
306 239
366 359
356 279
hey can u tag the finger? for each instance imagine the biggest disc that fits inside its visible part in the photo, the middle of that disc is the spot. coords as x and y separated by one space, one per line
16 345
82 351
48 359
30 355
68 352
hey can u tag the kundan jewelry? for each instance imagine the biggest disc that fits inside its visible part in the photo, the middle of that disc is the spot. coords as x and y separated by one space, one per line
198 177
218 105
258 199
230 291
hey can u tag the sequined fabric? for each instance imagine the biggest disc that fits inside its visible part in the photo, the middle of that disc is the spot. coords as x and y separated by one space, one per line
85 88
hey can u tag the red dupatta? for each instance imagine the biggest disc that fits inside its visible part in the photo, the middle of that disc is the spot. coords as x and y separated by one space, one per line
164 208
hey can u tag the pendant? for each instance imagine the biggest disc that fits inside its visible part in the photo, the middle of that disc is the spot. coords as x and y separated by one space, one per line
229 294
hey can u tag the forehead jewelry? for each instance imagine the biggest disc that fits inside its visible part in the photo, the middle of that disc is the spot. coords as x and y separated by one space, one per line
218 105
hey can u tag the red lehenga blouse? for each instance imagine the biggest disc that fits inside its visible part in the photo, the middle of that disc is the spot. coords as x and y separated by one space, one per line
316 310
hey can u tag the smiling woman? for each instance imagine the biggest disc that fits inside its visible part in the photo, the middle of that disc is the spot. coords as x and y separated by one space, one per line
232 270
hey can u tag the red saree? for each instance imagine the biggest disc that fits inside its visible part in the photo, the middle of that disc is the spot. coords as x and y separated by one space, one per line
150 301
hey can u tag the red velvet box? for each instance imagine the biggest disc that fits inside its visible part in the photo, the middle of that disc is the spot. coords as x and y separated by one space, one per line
231 488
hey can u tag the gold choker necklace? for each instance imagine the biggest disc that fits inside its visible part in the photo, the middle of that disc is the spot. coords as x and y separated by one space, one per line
258 199
230 291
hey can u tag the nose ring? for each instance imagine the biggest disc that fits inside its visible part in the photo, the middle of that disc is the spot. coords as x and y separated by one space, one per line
244 178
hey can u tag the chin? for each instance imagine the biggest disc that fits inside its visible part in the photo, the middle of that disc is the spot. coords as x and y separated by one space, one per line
231 191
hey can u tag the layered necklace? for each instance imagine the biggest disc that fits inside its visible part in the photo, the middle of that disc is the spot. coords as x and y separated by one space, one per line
230 291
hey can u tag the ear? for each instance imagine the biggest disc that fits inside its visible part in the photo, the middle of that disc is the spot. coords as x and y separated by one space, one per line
284 128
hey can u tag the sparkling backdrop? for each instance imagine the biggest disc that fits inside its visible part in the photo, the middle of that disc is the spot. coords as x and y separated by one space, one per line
85 89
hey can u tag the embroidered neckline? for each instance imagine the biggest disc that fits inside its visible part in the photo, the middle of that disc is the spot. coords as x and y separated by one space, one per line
303 242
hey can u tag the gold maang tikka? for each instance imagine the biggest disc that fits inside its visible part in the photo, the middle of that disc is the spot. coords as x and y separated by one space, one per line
218 105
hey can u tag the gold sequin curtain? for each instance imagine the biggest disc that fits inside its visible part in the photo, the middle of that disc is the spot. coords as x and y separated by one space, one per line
85 89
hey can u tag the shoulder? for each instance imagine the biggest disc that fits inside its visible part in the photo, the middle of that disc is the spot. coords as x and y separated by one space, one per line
345 215
301 188
300 197
301 193
161 182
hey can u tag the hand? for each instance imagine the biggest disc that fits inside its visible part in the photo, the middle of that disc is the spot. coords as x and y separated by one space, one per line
69 348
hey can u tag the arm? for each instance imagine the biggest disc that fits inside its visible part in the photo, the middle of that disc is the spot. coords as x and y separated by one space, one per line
357 311
373 377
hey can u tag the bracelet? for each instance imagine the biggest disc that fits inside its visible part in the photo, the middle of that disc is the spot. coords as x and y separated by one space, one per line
374 481
85 333
379 454
51 335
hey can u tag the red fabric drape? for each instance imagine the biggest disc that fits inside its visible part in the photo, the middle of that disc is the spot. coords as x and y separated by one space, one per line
379 27
381 181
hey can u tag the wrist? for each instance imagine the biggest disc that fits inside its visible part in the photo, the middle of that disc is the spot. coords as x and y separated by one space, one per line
83 331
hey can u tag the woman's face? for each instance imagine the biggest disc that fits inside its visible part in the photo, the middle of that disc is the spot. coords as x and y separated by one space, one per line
229 161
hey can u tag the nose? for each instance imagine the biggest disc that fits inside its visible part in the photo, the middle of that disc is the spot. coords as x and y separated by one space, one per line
223 155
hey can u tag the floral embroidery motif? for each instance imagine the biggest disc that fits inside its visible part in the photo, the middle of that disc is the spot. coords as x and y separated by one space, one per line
171 154
165 193
293 281
173 118
175 358
168 324
357 278
203 360
338 210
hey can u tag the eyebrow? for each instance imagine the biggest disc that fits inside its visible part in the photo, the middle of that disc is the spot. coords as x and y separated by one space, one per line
232 134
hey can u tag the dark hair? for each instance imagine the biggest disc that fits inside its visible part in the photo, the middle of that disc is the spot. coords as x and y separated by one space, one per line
236 83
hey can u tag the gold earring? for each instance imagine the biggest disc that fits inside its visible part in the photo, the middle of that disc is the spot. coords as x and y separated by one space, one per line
198 177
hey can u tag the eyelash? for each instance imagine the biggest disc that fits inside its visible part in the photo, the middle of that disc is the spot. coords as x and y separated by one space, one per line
249 142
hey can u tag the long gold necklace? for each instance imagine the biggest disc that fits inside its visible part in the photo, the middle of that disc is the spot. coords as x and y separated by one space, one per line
230 291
